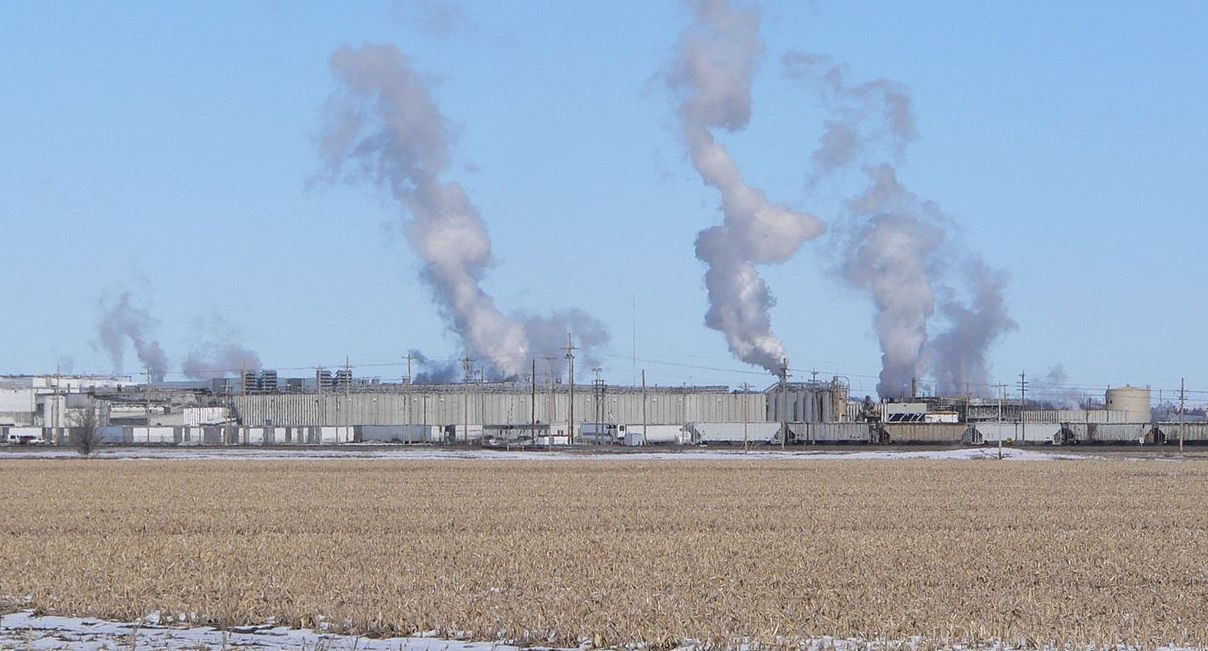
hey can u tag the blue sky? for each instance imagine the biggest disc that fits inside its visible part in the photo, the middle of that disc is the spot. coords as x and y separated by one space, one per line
167 148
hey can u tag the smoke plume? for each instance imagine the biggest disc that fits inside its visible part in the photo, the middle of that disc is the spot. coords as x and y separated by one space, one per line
862 116
960 351
547 336
218 352
891 257
716 58
383 125
1053 390
548 333
433 372
902 249
120 321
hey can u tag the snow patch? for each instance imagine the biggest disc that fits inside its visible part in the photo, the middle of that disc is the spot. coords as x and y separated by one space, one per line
24 630
603 455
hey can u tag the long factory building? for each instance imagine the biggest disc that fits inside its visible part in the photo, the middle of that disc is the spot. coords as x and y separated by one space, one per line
258 409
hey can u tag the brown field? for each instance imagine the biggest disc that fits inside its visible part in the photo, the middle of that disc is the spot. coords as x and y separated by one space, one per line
622 552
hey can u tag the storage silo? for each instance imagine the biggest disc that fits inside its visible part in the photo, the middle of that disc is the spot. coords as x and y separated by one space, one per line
1133 401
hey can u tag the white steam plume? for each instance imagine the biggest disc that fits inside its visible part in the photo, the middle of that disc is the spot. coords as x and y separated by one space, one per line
121 320
899 247
382 124
890 257
716 57
960 352
546 334
862 115
1053 388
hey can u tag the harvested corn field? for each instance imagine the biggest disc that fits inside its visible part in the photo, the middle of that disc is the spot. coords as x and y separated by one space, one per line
622 552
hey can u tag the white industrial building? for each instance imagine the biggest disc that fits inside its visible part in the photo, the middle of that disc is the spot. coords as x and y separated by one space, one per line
344 410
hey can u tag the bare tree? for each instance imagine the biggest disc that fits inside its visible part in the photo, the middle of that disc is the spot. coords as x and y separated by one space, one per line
85 437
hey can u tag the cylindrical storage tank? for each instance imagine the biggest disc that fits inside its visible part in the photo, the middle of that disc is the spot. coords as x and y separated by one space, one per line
1133 400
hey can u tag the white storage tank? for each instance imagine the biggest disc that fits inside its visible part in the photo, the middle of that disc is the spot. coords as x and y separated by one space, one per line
1132 400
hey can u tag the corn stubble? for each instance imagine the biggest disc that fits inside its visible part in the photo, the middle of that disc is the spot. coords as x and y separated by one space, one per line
623 553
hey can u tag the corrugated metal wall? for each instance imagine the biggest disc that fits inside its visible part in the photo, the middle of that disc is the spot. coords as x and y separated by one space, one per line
194 416
1191 432
993 432
1109 433
1096 416
925 432
667 407
834 432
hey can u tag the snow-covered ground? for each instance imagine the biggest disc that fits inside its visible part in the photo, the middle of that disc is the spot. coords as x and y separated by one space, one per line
615 454
23 630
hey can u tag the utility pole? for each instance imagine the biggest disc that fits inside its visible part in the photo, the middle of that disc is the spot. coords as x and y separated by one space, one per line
147 407
482 409
243 395
1023 408
746 389
551 413
1182 404
598 395
784 415
56 435
968 397
643 406
407 397
570 414
347 399
533 404
322 402
465 399
1002 393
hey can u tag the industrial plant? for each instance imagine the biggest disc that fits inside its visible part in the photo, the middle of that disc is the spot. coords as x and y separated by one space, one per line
263 408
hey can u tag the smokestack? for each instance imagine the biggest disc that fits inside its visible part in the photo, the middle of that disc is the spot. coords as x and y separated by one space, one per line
716 58
382 125
121 320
